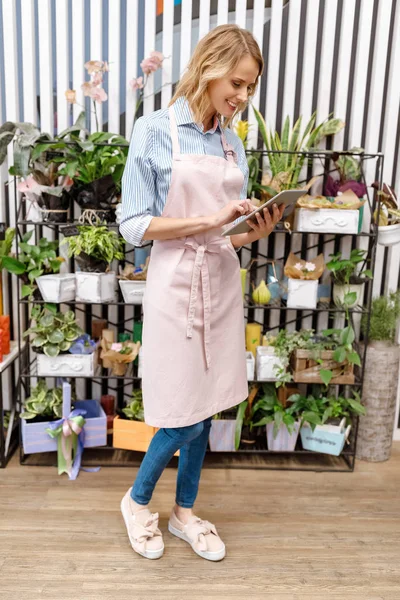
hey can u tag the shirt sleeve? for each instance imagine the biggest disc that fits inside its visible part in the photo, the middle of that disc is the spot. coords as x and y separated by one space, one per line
138 191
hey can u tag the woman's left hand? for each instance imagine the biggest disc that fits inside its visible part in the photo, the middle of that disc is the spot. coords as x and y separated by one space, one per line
266 225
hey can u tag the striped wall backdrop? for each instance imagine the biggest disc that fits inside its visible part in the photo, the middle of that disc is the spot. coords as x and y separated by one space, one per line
332 56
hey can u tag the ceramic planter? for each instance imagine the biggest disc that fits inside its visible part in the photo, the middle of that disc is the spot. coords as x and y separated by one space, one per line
95 288
267 363
222 435
284 441
326 220
57 288
250 365
339 292
67 365
388 235
302 293
132 290
328 439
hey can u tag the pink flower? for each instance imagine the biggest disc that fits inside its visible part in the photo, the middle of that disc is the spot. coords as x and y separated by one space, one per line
97 78
98 94
136 83
87 88
94 66
151 64
70 96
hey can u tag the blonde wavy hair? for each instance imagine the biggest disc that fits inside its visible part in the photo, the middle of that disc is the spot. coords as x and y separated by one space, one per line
216 55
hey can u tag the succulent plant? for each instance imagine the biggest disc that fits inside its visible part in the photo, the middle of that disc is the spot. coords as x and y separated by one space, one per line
43 402
54 332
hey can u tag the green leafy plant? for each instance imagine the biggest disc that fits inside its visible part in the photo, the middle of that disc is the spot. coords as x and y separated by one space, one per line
344 270
97 243
286 167
268 409
54 332
43 403
317 410
6 245
134 411
33 261
385 315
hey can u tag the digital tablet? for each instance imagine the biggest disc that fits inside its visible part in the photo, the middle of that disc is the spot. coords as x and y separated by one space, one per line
287 197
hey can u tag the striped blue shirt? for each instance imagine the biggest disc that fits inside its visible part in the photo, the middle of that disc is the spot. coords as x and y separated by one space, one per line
147 175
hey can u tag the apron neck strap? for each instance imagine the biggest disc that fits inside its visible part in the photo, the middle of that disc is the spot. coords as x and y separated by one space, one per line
174 131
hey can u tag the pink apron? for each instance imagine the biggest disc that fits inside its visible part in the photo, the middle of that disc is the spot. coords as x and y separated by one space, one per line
194 361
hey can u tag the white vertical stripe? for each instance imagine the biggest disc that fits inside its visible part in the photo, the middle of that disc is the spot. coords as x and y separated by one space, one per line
204 18
392 106
167 50
28 62
149 46
10 60
343 68
78 55
131 62
273 64
114 42
186 35
222 13
240 13
45 66
309 55
62 64
258 33
292 50
96 53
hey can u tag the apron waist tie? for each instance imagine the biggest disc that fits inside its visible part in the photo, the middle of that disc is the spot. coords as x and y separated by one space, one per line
201 268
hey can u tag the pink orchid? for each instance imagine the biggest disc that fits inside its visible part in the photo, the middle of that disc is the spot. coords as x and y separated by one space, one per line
151 64
94 66
98 94
70 96
136 83
87 88
97 78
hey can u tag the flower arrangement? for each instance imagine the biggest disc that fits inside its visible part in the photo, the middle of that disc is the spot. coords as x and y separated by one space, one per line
93 88
148 65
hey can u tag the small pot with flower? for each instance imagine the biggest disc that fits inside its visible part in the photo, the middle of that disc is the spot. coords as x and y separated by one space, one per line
130 432
387 215
303 281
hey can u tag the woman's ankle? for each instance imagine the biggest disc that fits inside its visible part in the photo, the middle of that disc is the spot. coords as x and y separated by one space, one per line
183 513
135 506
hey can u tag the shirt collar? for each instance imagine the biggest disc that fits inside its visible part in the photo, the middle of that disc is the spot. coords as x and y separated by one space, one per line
184 115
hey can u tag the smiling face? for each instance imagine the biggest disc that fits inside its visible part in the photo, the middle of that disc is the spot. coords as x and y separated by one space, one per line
230 92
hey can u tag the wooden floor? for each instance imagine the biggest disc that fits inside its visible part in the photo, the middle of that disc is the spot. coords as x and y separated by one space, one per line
289 535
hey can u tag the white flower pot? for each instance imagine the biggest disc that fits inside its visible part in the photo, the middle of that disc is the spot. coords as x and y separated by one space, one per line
222 435
388 235
339 292
250 365
267 363
284 441
95 287
132 291
57 288
302 293
328 439
326 220
67 365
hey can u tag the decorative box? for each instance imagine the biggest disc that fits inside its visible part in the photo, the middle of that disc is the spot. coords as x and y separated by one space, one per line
35 438
306 369
67 365
328 439
284 441
132 290
327 220
132 435
222 435
250 365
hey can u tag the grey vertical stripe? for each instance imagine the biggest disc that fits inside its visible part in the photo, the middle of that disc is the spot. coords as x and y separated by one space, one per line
280 118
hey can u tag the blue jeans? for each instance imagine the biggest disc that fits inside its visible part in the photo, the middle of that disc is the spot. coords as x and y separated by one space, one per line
192 443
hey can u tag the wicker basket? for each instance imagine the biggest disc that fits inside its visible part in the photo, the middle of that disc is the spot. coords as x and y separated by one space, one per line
306 370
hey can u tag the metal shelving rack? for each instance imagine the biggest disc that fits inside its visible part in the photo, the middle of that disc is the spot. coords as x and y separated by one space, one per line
258 456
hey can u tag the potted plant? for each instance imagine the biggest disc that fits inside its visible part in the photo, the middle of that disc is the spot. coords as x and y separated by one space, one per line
94 248
348 284
349 171
387 215
54 334
303 280
282 428
381 370
222 433
130 432
325 421
34 264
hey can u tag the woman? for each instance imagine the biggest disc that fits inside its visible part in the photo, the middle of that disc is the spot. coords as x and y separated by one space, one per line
186 176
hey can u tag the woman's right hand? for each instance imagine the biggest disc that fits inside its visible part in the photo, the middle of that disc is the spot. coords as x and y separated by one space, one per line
231 211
